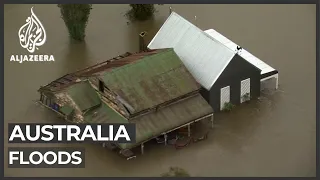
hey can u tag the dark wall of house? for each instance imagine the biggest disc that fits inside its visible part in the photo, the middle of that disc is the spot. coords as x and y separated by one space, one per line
236 71
205 94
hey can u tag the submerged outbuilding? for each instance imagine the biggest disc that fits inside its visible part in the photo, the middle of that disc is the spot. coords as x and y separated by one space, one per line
152 89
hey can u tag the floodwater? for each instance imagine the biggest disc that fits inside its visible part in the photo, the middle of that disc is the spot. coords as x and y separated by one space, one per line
274 136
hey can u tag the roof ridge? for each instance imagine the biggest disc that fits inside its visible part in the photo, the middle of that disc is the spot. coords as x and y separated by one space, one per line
82 73
140 61
220 41
200 30
176 21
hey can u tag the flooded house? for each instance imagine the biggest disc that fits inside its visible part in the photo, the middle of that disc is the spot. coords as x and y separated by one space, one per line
229 74
151 89
268 77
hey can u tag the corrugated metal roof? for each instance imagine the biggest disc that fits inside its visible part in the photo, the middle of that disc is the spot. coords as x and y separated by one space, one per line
67 110
169 117
84 95
265 68
104 114
156 122
151 81
72 78
204 57
60 83
115 62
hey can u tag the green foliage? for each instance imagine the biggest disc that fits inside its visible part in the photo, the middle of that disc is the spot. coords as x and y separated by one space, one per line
141 12
228 106
76 18
246 97
176 172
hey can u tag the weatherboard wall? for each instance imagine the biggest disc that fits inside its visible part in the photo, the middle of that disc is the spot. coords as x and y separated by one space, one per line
236 71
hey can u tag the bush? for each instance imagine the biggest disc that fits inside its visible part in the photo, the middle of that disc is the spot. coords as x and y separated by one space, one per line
140 12
76 16
246 97
176 172
228 106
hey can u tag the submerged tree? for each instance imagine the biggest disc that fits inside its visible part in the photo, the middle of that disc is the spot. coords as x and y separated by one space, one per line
176 172
76 18
141 12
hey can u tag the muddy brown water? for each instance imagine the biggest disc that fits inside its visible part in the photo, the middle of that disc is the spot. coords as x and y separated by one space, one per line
273 136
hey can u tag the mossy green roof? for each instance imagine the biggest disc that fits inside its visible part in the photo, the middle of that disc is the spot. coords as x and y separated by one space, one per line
152 80
144 84
154 123
167 118
104 114
84 95
67 110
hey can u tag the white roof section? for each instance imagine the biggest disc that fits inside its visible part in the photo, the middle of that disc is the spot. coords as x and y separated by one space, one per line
265 68
204 57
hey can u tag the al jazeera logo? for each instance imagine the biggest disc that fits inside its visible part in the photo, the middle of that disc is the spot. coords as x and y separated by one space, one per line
32 36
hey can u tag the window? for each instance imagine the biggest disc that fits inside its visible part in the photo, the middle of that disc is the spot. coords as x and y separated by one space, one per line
224 96
245 90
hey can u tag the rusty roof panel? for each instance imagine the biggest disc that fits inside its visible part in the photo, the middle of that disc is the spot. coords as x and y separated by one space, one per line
151 81
121 60
60 83
115 62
